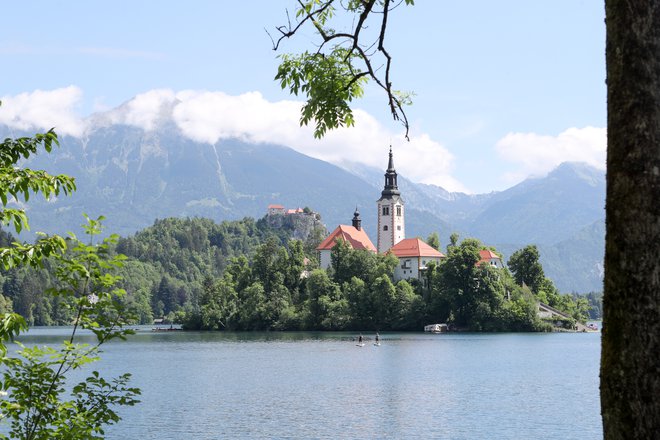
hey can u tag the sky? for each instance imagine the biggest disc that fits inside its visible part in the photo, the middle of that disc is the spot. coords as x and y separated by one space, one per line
503 90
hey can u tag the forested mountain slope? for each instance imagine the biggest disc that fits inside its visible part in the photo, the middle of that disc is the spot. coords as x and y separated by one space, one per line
134 176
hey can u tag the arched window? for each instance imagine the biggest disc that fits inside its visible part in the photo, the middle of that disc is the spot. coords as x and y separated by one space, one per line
385 228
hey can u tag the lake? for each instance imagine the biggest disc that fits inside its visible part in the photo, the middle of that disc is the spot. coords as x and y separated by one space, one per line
198 385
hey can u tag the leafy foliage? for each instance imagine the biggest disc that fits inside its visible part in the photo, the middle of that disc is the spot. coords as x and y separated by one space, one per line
328 84
357 292
336 73
20 183
34 381
245 275
527 269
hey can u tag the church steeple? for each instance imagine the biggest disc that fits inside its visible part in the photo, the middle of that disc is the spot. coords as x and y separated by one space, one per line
391 188
391 223
357 222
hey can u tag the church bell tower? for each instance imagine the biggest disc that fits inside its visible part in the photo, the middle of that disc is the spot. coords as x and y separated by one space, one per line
391 225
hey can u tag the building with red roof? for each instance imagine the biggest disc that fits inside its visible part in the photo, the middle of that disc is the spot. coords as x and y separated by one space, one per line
354 235
490 258
413 255
274 209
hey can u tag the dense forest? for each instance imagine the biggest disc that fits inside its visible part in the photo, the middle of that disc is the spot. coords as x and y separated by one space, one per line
248 275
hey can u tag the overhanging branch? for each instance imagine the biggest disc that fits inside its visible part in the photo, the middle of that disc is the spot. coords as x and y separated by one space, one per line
360 50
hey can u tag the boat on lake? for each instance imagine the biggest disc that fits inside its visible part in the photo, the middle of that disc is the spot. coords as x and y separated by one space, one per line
166 329
436 328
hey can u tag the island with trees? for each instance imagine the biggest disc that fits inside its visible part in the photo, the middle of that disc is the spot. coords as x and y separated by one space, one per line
248 275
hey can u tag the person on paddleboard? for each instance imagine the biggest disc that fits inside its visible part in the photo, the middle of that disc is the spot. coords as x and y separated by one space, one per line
360 339
377 338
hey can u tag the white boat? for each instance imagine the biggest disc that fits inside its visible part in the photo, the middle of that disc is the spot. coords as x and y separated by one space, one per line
435 328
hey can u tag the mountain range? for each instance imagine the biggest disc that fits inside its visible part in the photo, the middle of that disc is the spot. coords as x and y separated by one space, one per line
135 176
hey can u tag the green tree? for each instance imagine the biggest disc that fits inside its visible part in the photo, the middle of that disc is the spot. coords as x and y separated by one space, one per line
327 307
33 380
166 296
18 182
251 307
38 411
218 304
405 310
347 263
384 266
383 295
35 405
438 305
519 312
340 261
453 240
267 258
360 303
487 300
548 293
296 265
526 268
433 240
5 305
278 308
273 267
458 278
466 293
240 271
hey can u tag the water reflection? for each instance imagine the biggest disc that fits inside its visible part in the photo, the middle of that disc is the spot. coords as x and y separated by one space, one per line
202 385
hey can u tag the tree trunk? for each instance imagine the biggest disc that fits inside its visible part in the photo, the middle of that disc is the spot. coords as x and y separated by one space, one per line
630 360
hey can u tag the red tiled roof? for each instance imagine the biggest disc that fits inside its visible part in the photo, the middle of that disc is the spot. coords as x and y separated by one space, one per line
275 207
356 239
487 255
414 247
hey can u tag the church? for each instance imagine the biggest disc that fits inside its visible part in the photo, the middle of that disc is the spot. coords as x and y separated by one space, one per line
413 253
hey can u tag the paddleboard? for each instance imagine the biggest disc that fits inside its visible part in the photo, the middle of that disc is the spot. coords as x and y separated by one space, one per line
360 345
377 344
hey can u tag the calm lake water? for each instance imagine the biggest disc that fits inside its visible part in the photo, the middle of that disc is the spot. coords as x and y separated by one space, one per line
322 386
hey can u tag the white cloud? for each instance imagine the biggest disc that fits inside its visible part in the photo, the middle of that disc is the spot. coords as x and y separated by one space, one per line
147 108
143 111
213 116
538 154
42 110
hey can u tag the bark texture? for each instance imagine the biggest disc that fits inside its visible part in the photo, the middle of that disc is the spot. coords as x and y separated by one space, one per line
630 362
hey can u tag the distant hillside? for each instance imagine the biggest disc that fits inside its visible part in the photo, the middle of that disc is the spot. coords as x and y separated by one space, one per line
544 210
134 176
576 264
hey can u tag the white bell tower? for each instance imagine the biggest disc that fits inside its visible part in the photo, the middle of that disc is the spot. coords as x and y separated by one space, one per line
391 224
